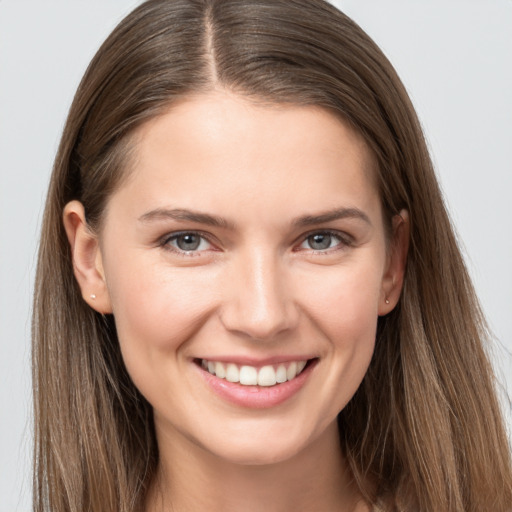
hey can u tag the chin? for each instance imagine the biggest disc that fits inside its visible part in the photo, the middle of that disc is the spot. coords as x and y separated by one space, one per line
256 454
259 447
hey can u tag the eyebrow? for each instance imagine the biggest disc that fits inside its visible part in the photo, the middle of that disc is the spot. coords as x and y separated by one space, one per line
330 216
181 214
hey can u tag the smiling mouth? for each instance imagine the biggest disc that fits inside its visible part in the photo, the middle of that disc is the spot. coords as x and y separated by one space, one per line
266 376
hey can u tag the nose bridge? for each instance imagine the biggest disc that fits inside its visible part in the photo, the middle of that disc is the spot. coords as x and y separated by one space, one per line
260 304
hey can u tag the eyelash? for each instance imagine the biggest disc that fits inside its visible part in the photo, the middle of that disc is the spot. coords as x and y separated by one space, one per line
165 243
344 241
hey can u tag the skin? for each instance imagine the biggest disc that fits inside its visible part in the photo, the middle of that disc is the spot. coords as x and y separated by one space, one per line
255 288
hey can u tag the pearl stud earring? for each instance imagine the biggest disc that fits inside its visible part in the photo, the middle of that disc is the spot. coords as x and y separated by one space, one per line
387 301
93 296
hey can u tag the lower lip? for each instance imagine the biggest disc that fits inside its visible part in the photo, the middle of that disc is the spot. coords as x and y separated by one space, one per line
257 397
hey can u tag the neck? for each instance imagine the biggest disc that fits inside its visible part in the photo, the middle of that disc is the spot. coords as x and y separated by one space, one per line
191 479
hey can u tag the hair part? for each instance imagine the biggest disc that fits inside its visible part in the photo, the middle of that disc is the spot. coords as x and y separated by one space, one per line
424 430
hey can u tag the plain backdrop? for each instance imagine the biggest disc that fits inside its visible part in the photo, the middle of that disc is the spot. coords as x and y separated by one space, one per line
454 57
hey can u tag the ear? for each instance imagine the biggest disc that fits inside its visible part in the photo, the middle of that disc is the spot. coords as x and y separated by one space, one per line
393 278
86 256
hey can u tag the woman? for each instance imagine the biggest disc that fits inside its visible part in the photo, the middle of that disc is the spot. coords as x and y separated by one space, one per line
257 300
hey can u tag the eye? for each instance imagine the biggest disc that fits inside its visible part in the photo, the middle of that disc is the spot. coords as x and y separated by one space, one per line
187 242
322 241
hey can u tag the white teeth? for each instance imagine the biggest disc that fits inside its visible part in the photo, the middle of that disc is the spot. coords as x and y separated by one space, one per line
220 371
232 373
291 372
267 376
281 374
250 376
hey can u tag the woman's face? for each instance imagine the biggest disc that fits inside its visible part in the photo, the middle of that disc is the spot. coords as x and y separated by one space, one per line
247 242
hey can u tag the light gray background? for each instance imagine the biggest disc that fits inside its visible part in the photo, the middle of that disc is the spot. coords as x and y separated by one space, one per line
453 55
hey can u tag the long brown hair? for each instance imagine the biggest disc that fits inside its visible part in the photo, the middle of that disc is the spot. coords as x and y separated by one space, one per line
424 430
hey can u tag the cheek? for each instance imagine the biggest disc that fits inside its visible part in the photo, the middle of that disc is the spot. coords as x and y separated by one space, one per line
346 312
345 302
157 310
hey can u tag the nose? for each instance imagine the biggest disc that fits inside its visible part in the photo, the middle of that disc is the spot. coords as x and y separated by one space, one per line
258 298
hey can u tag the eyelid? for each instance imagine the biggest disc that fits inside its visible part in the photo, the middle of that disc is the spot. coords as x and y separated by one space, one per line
346 240
164 242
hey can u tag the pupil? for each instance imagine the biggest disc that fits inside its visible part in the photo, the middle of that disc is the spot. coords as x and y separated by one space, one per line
320 241
188 242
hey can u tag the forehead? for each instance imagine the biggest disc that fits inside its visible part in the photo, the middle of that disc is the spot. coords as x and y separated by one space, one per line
222 147
221 117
